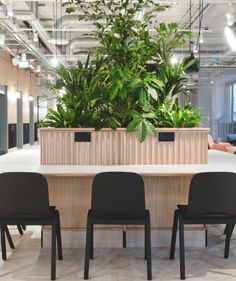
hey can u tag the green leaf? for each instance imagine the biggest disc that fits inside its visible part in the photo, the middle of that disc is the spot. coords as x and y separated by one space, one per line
142 96
114 91
150 128
142 132
133 125
149 115
135 83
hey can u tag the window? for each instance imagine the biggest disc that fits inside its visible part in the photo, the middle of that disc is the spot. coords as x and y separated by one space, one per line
42 107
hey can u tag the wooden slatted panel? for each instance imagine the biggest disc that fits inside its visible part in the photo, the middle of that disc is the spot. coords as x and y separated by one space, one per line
108 147
72 197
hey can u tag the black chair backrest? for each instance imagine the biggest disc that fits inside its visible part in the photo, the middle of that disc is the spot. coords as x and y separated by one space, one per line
118 194
23 194
212 193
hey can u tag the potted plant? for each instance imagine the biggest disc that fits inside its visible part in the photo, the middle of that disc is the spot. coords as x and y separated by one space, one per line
129 82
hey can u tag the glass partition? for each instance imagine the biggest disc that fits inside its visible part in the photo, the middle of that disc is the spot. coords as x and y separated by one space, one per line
217 100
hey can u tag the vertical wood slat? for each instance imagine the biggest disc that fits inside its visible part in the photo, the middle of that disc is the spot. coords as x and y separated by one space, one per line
108 147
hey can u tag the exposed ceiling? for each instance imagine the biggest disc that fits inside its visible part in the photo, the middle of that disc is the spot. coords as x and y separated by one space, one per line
19 20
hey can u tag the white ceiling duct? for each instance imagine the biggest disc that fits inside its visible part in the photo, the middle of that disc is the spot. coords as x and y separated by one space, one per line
79 44
59 35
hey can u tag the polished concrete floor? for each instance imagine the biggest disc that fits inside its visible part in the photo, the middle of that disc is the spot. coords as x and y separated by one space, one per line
29 262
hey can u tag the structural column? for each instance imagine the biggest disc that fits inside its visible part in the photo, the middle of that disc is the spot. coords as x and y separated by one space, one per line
3 120
31 122
19 125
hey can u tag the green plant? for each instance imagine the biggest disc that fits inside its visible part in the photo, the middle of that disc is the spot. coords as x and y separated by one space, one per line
84 90
178 117
143 121
60 118
130 82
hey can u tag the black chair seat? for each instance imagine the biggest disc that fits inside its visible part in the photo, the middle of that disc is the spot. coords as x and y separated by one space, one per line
119 220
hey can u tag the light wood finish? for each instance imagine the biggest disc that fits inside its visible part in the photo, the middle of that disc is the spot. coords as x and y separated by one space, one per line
72 196
17 80
108 147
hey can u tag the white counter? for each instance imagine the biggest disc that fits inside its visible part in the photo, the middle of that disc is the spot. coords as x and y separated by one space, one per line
28 160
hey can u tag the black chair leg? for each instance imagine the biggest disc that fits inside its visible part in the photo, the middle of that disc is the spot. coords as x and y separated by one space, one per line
148 249
206 237
181 250
145 244
53 248
20 230
227 241
41 238
124 239
225 230
23 227
59 244
91 243
11 244
232 229
3 244
174 233
87 248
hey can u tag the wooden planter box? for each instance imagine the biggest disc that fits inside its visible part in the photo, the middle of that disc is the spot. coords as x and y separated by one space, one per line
60 146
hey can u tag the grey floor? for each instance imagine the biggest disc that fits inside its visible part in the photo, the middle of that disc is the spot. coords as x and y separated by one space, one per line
29 262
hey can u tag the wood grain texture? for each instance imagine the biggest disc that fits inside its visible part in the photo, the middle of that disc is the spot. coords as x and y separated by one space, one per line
21 80
72 196
108 147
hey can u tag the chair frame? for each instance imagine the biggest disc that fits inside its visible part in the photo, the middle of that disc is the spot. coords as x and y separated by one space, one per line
32 209
181 219
89 248
54 221
107 208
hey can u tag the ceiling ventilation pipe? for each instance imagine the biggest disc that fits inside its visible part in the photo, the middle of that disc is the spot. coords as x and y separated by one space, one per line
81 44
65 23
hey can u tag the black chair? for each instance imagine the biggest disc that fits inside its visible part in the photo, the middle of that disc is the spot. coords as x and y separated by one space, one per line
24 201
211 201
118 198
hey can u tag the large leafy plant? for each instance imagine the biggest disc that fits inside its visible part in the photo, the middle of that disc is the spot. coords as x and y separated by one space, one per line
83 94
130 82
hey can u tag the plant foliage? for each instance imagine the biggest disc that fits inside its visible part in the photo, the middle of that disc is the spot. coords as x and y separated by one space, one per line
130 81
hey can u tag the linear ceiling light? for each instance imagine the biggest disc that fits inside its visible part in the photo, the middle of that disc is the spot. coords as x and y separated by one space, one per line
58 41
201 39
230 15
230 33
2 39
